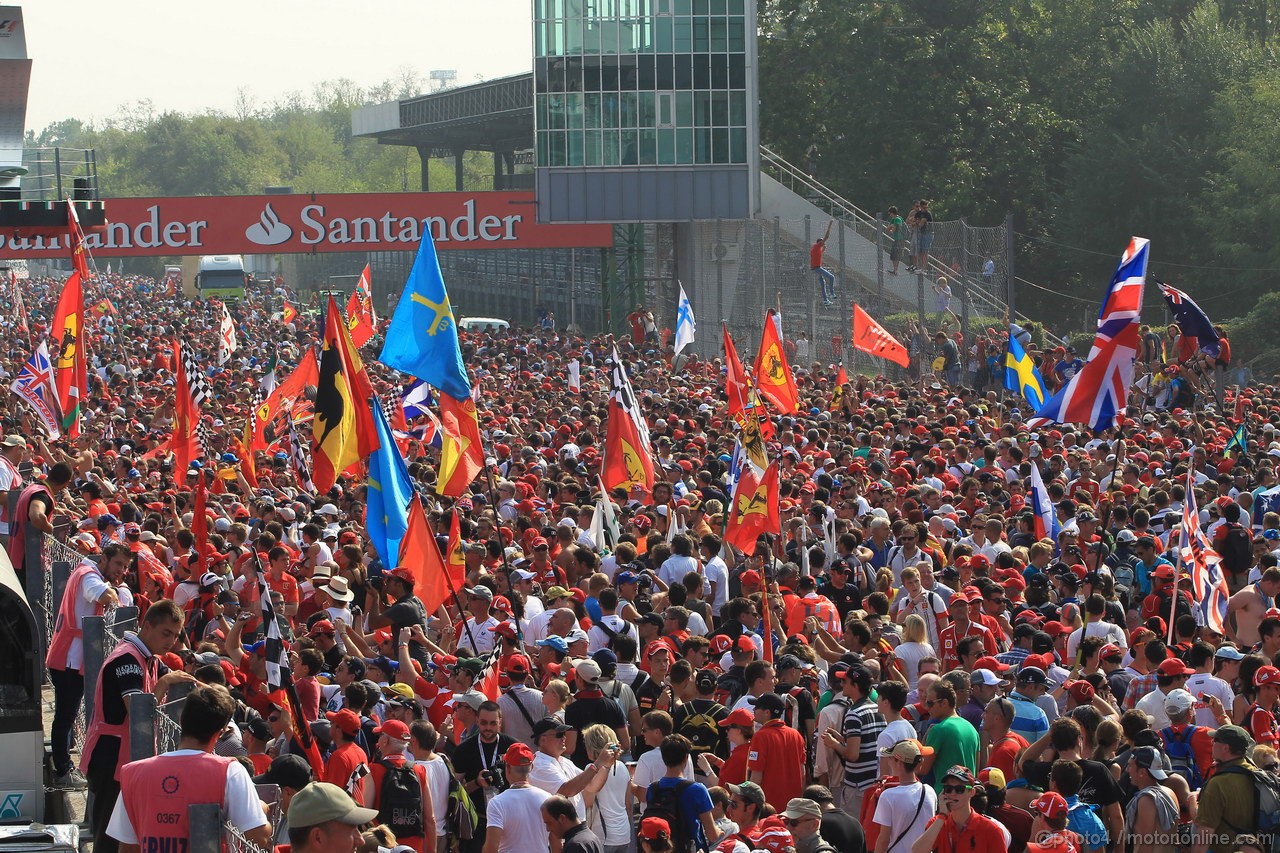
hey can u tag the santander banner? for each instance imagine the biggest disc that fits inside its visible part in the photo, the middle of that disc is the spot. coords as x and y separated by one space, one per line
287 224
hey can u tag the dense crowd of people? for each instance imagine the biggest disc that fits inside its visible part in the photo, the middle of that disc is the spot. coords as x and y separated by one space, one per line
905 665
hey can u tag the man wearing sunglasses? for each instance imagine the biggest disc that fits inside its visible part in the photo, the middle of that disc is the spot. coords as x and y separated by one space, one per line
957 827
554 773
804 818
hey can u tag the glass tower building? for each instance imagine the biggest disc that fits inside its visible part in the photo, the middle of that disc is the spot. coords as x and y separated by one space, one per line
645 110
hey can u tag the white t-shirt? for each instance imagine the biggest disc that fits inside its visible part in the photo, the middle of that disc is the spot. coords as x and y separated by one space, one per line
649 769
597 639
1108 632
240 803
896 809
438 784
896 732
1153 706
92 586
550 773
518 813
1203 684
717 572
911 654
675 567
609 818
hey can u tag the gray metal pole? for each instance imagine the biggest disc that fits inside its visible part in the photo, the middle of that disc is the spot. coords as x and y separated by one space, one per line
95 652
142 726
1008 260
880 255
573 288
843 327
719 253
204 828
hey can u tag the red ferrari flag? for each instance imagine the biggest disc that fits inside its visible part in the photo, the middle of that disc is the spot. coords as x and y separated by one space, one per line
626 463
461 448
343 432
837 393
70 374
736 384
773 376
289 314
455 560
421 555
754 508
79 258
283 398
190 391
362 322
872 338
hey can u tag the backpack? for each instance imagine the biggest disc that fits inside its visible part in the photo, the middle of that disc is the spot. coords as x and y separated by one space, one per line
869 800
1236 549
791 712
1124 570
664 802
729 689
702 729
1178 748
400 801
460 817
1266 798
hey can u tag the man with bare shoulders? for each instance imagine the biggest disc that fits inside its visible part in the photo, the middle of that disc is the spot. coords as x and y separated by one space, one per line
1249 606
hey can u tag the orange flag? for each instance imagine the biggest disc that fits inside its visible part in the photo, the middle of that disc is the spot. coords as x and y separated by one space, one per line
361 319
421 555
754 508
289 314
772 373
70 374
872 338
343 432
837 394
625 463
736 384
282 398
461 448
455 559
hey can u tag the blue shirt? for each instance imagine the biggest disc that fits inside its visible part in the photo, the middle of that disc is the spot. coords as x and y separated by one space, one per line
694 802
1142 574
1029 719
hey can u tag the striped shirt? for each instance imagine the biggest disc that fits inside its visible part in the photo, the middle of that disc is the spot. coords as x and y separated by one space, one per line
864 721
1029 719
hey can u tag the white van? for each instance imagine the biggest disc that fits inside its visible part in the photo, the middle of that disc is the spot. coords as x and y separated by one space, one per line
483 324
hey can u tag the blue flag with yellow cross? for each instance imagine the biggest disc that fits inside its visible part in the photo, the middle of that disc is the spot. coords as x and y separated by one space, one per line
423 338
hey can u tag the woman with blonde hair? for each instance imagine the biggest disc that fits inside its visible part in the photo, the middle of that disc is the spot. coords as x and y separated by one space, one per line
608 809
556 696
913 648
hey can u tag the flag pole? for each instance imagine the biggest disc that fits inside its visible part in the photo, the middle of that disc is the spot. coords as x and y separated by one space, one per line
457 600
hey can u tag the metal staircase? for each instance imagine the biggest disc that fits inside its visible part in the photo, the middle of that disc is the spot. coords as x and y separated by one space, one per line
789 194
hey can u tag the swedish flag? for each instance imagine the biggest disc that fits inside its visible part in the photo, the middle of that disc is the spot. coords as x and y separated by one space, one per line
1239 441
1021 375
423 338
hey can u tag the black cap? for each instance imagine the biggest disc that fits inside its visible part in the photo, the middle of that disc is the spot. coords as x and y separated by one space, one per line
768 702
705 680
287 771
258 728
651 619
548 724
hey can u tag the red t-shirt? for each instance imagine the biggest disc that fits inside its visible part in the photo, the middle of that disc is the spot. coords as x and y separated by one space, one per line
815 254
734 771
950 636
1004 753
778 754
343 765
1262 726
979 833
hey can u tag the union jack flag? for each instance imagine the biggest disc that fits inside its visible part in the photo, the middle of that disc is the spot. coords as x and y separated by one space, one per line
1208 580
34 384
1096 394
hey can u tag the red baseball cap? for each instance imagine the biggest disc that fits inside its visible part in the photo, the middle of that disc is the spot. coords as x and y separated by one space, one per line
345 719
518 754
394 729
991 663
1051 805
1265 675
1174 666
742 718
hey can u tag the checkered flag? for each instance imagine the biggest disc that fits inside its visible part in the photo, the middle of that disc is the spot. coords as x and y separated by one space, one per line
298 455
277 661
361 771
195 375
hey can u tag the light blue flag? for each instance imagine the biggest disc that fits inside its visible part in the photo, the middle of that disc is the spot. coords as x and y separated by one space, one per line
423 338
1021 375
686 325
390 491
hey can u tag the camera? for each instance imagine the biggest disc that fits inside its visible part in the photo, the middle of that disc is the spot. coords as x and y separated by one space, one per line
496 777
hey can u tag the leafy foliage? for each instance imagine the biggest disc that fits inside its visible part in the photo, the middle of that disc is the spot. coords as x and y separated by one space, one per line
1090 121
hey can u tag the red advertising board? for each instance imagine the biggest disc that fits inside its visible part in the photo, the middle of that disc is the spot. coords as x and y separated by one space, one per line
288 224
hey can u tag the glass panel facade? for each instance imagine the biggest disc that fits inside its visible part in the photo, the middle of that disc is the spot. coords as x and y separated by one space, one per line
640 82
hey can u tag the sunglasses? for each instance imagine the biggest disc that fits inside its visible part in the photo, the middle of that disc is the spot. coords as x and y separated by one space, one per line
794 823
956 789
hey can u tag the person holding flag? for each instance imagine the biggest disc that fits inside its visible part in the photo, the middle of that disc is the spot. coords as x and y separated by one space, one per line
686 325
1021 374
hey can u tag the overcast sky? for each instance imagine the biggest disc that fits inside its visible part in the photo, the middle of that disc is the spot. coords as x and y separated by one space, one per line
91 57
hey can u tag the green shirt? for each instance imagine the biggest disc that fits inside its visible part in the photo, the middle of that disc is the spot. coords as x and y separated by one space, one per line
954 741
897 228
1226 804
